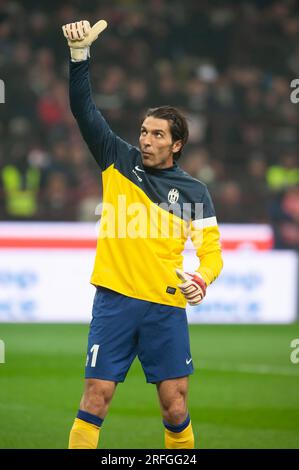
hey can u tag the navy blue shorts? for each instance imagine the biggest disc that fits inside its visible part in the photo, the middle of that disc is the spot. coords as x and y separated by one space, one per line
123 327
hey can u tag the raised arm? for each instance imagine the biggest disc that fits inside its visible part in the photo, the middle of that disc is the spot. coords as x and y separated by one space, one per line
102 142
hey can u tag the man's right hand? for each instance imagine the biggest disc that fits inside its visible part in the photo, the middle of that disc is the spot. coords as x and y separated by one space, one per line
80 36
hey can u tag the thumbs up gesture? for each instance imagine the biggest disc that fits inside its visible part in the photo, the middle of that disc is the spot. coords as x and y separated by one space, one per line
80 35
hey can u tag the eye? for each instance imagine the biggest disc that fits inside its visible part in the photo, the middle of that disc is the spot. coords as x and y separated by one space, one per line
158 134
143 132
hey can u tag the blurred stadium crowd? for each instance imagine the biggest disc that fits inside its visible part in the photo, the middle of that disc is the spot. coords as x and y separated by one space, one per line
228 65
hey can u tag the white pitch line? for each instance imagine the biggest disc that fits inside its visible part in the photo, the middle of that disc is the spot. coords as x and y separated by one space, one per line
263 369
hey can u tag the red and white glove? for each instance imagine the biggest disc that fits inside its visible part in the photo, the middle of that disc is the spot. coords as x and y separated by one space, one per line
193 287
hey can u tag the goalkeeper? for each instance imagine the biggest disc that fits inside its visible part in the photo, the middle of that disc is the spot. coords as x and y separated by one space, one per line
139 307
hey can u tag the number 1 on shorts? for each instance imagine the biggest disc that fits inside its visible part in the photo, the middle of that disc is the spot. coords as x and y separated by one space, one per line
94 350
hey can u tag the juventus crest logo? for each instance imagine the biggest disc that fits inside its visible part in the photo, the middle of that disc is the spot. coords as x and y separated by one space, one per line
173 196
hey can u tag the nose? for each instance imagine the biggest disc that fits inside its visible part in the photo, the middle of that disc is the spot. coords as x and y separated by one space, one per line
147 141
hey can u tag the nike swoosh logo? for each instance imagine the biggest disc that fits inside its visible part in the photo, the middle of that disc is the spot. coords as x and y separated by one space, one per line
188 361
139 169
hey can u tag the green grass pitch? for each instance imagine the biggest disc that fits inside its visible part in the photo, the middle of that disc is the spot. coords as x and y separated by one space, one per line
244 393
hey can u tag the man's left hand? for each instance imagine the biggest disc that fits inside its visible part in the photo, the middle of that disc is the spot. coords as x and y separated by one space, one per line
193 287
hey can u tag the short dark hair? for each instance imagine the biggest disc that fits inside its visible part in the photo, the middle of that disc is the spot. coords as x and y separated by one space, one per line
177 123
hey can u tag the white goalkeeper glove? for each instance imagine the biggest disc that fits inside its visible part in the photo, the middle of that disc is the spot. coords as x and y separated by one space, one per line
80 36
193 287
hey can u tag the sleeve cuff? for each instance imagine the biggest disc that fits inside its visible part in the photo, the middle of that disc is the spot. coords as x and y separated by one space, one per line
78 55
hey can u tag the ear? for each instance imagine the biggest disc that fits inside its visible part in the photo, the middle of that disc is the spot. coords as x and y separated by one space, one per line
176 146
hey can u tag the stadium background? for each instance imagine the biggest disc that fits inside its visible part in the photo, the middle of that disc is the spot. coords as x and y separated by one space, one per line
229 66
